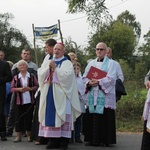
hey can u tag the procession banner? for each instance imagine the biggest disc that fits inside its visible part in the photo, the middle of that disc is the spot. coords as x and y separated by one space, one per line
46 32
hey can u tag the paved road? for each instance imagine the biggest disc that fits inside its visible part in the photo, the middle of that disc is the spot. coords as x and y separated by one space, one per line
125 141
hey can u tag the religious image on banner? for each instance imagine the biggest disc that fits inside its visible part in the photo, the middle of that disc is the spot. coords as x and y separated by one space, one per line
46 32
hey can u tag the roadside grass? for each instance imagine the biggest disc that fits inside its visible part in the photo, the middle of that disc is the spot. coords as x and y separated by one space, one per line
129 111
129 125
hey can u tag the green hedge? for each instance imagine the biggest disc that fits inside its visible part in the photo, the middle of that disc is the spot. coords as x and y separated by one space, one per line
130 108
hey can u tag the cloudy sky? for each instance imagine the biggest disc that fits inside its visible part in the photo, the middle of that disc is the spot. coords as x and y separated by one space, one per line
47 12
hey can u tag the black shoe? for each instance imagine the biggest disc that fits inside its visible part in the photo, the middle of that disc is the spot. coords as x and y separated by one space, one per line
88 144
71 140
8 134
78 140
52 146
105 145
3 138
63 148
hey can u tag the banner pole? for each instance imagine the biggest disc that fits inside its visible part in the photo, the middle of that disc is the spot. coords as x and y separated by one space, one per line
60 31
34 46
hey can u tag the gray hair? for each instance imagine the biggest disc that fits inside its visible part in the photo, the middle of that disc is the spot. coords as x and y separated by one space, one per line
21 62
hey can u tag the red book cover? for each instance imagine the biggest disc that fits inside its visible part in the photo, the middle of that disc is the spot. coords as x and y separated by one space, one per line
95 73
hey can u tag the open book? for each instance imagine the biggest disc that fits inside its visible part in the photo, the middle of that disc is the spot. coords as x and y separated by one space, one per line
95 73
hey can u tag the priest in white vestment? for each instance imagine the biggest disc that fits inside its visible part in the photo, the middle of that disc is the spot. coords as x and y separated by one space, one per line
59 101
99 119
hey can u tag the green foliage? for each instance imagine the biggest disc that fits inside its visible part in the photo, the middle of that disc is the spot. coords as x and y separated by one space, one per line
116 35
12 41
95 10
132 125
144 51
130 108
128 19
126 69
76 5
121 39
40 56
140 72
71 46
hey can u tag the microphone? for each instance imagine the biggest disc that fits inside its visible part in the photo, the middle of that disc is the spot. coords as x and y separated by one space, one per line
54 56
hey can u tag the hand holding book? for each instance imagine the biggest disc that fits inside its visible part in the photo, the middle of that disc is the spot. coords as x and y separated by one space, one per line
93 82
95 73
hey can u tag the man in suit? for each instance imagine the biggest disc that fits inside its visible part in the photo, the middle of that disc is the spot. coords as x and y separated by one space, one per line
5 76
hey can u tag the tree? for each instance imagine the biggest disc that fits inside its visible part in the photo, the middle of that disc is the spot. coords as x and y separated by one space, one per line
95 10
122 40
129 19
144 51
116 35
12 41
70 46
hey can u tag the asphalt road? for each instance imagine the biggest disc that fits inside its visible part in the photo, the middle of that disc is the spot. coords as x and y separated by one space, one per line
125 141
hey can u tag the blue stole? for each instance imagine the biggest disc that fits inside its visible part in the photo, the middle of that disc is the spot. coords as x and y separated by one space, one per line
50 106
99 109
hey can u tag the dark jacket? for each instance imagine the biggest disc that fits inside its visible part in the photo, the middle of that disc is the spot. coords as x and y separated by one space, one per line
120 89
5 76
31 82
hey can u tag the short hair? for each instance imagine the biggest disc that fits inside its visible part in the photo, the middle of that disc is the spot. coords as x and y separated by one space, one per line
21 62
51 42
72 54
25 49
76 64
105 46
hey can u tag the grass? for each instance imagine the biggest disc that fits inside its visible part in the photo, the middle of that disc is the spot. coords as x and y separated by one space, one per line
129 125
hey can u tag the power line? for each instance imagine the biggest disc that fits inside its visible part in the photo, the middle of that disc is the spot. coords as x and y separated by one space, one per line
73 19
118 4
123 1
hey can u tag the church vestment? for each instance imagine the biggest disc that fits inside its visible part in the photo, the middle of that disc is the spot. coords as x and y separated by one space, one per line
60 97
101 104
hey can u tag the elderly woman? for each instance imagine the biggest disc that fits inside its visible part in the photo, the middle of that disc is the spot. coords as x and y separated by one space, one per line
24 86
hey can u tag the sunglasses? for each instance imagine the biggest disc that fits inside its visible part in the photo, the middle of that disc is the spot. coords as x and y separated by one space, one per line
100 49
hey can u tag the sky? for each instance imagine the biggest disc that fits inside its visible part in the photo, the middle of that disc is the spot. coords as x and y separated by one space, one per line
44 13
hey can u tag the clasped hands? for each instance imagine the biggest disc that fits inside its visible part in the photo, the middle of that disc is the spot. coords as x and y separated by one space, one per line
52 65
24 89
93 82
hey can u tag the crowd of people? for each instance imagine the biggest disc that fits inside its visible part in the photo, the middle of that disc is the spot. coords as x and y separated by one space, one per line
55 103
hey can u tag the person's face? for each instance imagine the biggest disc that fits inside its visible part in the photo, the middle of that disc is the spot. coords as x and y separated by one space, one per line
25 55
22 67
49 49
72 58
100 50
59 50
109 54
76 69
2 56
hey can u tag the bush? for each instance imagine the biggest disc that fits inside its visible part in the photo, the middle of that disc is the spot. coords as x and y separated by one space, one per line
131 105
130 108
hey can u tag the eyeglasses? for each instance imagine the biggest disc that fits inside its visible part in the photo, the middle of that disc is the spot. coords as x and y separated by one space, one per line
100 49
